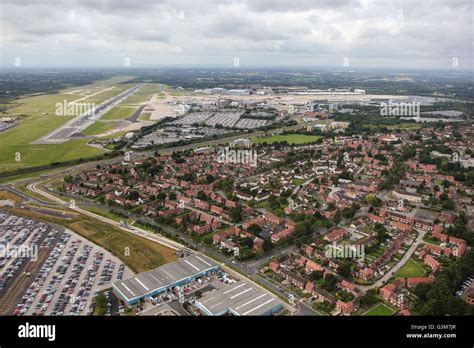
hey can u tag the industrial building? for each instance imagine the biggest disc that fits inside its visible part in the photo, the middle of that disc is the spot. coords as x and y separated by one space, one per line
164 278
238 299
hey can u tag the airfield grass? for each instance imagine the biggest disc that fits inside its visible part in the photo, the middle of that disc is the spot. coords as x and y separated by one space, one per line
140 254
37 155
379 310
114 80
38 105
143 95
144 116
113 135
101 97
99 127
292 139
410 269
119 113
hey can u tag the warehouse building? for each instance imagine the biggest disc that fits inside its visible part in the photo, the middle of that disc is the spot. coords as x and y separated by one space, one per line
164 278
238 299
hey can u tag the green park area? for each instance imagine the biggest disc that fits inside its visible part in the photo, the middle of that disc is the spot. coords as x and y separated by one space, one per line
292 139
379 309
411 269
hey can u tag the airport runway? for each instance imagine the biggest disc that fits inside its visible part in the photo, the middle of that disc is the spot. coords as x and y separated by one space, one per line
78 124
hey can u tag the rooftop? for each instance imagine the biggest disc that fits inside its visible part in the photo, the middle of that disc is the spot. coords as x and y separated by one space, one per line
147 282
240 299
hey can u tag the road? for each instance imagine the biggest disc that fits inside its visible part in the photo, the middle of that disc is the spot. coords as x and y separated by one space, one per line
403 260
243 269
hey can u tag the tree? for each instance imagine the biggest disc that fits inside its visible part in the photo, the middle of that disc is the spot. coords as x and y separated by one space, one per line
267 244
236 215
344 269
254 229
316 275
369 298
202 196
329 282
381 232
133 195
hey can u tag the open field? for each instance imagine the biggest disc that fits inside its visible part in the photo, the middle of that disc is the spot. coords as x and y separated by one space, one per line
144 116
379 310
144 94
100 127
113 135
293 139
119 113
36 155
4 195
140 254
109 93
411 269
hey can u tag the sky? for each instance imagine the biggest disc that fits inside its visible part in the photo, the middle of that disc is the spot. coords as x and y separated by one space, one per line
237 33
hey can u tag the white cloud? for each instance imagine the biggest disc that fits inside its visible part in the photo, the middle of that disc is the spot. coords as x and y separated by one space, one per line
261 33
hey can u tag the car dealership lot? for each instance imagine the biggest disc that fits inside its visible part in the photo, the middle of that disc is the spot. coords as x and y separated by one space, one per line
70 278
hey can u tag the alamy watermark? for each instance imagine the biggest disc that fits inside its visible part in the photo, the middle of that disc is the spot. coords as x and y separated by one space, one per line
346 251
73 109
22 251
237 156
400 109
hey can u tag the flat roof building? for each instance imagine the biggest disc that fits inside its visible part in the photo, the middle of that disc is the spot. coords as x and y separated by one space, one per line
163 278
239 299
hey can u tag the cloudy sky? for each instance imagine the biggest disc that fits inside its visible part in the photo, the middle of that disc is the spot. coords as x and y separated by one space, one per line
250 33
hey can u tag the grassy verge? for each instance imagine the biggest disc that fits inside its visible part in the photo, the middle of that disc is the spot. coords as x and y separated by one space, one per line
292 139
139 254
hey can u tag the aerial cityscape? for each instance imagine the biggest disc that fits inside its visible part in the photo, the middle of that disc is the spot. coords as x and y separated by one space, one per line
263 158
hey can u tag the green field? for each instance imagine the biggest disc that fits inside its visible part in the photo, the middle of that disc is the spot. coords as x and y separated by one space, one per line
292 139
410 269
298 182
99 127
379 310
119 113
144 116
143 95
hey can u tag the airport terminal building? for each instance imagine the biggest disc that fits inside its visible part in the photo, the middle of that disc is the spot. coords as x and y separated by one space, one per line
164 278
239 299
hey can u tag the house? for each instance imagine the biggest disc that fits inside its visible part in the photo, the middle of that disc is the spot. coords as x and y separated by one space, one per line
391 293
274 265
366 273
432 262
293 278
318 293
412 282
282 234
336 234
347 307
